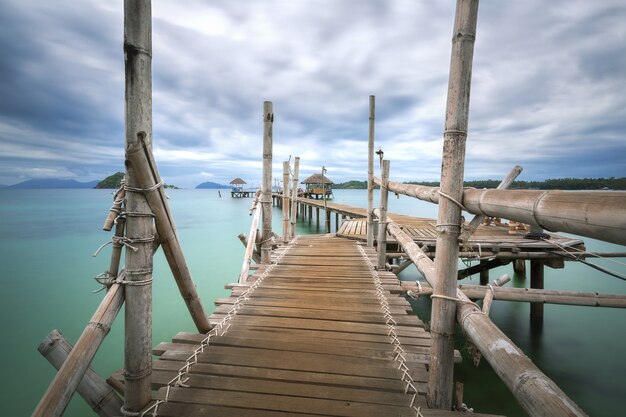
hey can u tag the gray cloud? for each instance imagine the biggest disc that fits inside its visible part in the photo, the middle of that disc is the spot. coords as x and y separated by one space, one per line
547 88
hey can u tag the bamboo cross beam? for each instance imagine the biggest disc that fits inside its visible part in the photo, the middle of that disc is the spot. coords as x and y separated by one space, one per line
535 392
254 229
95 391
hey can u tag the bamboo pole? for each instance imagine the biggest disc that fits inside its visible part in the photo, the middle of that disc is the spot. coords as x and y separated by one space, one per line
266 192
326 214
597 214
382 224
440 381
95 391
536 393
285 207
254 228
138 270
116 208
294 196
370 173
69 376
256 256
531 295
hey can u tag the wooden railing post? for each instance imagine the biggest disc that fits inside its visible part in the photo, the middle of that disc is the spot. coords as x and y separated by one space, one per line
285 202
440 377
266 189
294 197
370 174
382 223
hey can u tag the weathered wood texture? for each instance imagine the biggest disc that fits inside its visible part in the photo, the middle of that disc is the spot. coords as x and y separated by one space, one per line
536 393
382 222
285 201
100 397
294 197
370 172
254 229
310 340
266 188
71 373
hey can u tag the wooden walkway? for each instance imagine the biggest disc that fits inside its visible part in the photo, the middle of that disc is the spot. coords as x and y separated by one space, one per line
309 337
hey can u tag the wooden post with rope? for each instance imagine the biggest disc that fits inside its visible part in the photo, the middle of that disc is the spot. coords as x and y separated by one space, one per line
440 376
382 223
294 197
266 189
285 201
370 173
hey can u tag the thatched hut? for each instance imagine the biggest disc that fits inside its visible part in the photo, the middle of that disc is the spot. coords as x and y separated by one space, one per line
317 185
236 188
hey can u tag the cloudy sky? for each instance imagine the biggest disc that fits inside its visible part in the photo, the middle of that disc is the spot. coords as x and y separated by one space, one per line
548 92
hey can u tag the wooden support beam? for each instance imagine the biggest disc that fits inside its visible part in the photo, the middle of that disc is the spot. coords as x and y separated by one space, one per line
382 224
71 373
440 376
285 201
254 230
266 190
100 397
294 197
370 173
536 282
481 267
256 256
536 393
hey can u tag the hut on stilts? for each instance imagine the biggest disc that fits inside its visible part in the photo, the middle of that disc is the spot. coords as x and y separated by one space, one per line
237 190
318 185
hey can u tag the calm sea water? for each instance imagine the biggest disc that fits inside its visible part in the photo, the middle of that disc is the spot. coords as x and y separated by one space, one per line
47 238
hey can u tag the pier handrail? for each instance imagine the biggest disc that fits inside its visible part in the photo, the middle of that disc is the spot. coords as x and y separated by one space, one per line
596 214
254 229
535 392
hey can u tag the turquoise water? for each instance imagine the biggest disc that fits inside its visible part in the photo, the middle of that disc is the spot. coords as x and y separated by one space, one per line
47 238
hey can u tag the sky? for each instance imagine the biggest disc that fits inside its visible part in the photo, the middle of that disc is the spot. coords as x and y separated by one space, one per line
548 88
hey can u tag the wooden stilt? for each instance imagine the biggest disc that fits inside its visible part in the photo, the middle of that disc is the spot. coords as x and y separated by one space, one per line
370 173
285 201
382 224
266 193
95 391
484 275
310 214
440 377
294 196
536 282
519 267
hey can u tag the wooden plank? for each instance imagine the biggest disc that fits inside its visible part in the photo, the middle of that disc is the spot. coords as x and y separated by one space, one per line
308 303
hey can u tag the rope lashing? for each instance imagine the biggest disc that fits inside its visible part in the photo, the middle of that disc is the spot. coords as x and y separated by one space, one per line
219 329
144 190
391 325
124 241
452 199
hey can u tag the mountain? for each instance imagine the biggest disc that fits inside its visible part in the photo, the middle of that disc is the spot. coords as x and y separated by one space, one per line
52 183
211 185
112 181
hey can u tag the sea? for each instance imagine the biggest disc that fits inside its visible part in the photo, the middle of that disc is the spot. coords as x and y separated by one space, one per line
48 237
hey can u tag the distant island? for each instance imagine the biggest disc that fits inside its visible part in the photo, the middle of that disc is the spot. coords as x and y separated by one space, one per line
611 183
114 181
51 183
211 186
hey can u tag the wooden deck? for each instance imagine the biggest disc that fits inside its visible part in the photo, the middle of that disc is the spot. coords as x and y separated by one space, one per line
309 337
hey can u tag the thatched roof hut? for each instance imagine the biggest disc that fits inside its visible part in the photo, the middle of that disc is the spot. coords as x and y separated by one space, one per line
317 180
237 181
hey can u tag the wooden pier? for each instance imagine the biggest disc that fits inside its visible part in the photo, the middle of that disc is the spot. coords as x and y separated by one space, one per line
323 333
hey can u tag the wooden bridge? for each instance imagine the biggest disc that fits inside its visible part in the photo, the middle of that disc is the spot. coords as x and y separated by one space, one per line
318 332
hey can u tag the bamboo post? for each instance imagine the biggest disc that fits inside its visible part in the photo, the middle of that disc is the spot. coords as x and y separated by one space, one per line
382 223
310 214
440 376
245 268
294 196
484 274
370 173
256 256
285 204
116 208
326 214
317 217
95 391
138 306
266 192
535 392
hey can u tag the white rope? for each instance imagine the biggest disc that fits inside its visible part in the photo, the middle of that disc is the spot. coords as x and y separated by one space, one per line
219 329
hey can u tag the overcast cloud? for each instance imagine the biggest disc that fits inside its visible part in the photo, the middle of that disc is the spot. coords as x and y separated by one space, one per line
548 92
